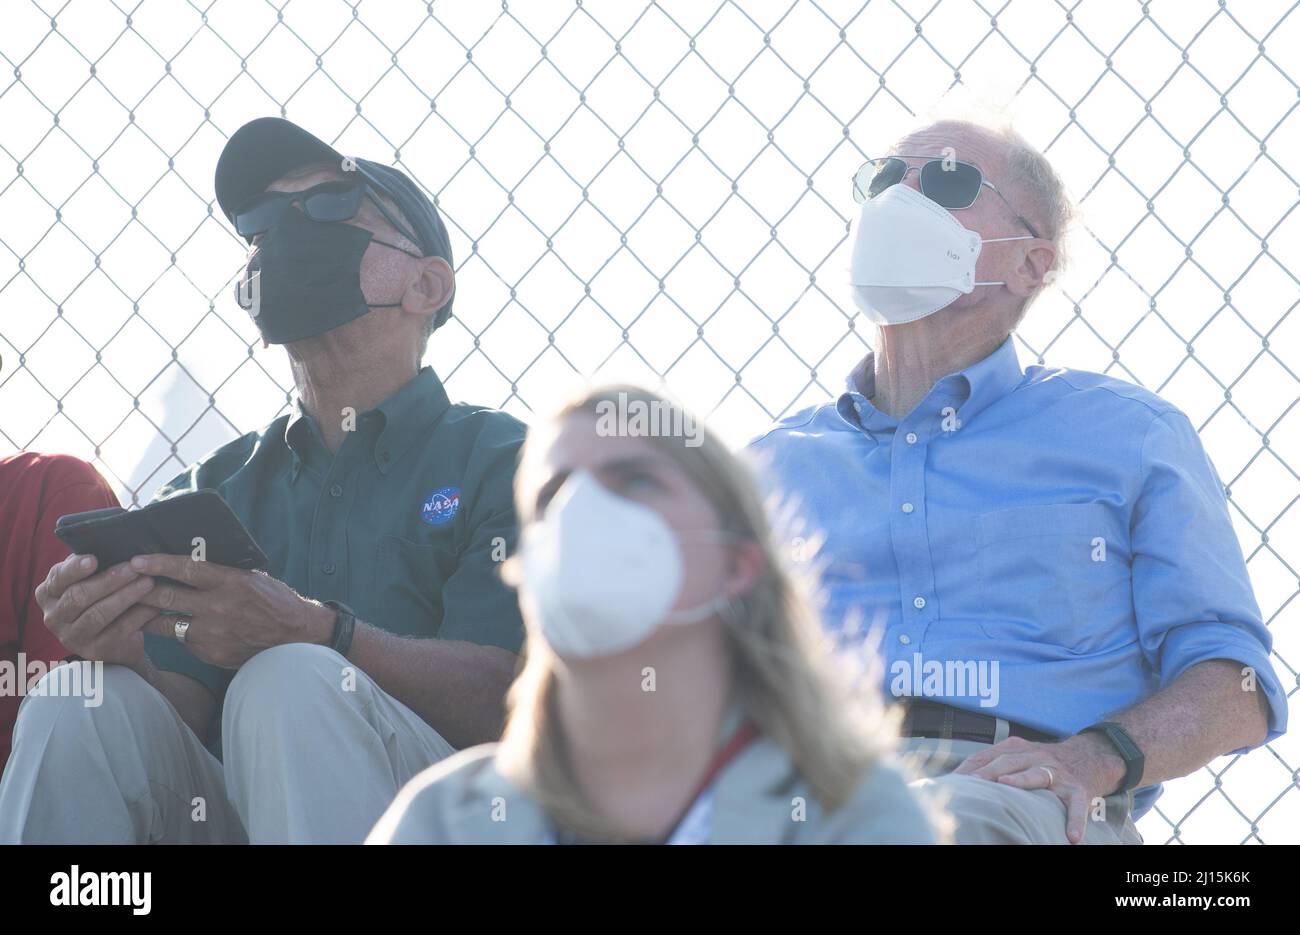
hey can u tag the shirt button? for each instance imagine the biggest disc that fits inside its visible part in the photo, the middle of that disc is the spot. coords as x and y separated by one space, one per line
907 508
336 490
328 568
911 438
905 639
919 603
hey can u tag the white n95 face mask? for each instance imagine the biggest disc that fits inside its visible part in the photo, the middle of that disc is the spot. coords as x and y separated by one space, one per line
602 571
912 257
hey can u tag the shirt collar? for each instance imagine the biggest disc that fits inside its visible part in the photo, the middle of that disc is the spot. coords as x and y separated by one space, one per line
990 379
300 437
392 427
975 387
407 417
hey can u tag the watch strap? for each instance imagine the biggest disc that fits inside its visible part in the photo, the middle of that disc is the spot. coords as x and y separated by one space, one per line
1129 751
345 625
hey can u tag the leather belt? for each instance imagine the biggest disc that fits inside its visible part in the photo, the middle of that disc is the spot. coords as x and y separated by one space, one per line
932 719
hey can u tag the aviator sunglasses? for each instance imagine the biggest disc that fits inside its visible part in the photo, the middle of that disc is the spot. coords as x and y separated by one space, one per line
952 185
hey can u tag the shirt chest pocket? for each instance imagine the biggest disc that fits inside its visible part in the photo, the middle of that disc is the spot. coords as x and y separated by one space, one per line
1056 574
406 584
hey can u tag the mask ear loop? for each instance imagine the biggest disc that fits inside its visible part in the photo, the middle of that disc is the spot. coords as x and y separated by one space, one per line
729 608
1001 240
385 243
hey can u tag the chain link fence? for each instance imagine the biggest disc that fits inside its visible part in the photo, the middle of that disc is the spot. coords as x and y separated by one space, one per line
660 192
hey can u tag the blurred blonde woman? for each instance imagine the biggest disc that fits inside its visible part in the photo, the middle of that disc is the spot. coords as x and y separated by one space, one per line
676 689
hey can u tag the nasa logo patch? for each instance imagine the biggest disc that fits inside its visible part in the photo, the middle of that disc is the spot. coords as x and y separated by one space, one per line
440 506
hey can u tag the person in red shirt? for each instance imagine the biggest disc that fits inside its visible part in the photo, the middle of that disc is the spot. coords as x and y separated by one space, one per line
35 490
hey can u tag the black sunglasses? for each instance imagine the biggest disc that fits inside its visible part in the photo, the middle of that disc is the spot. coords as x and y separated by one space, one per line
329 201
950 184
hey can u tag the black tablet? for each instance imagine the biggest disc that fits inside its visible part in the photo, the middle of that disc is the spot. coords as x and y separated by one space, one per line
180 525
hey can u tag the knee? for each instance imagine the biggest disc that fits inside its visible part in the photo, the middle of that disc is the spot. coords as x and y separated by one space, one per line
284 678
81 696
984 812
85 690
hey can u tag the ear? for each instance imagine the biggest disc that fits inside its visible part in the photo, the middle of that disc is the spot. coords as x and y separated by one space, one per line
1032 271
433 287
747 568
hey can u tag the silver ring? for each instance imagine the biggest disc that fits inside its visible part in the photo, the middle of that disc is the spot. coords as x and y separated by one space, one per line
180 627
1051 776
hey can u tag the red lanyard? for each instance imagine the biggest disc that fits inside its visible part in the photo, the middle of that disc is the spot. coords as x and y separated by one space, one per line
742 738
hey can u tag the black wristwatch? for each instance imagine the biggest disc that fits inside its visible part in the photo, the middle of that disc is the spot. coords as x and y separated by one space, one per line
345 624
1129 751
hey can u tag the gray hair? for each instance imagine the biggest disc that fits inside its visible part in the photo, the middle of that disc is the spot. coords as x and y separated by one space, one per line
1032 174
1031 184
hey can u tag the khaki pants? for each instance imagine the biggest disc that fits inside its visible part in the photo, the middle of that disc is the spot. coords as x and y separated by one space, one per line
988 812
310 756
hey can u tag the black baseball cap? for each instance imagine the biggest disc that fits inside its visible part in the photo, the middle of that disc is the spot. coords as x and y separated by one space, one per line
264 149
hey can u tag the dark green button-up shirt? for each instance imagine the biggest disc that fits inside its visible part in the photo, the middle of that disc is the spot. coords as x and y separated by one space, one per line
407 523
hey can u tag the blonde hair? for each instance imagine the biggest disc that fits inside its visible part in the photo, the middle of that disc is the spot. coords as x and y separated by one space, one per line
784 677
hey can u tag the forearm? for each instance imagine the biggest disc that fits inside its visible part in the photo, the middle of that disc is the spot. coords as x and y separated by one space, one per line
1204 713
458 688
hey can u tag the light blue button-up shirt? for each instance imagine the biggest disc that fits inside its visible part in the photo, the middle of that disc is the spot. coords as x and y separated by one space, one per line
1044 545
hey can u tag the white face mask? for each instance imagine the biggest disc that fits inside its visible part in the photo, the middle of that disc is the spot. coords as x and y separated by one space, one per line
602 572
911 257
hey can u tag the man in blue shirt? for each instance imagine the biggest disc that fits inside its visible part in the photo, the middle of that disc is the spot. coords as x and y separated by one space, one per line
1045 555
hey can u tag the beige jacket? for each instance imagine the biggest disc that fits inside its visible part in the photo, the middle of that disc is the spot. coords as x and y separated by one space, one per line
756 800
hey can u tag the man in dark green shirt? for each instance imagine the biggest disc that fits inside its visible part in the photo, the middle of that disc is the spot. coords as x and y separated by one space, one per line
381 637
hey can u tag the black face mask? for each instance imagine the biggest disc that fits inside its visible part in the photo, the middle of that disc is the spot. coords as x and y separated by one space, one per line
305 278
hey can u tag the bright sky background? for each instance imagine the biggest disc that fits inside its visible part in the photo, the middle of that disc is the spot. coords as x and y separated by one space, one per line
662 190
